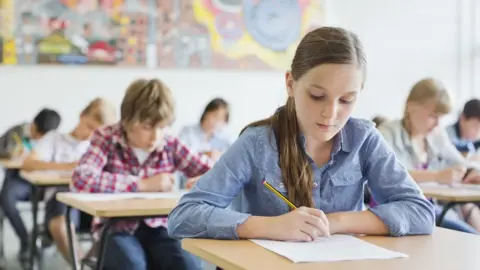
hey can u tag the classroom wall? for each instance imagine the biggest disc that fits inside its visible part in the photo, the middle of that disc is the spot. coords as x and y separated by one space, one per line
405 40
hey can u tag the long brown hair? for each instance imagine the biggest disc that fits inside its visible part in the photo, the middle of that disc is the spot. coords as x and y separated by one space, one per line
326 45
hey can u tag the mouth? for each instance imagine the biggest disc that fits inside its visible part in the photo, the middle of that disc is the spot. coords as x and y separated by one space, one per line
324 127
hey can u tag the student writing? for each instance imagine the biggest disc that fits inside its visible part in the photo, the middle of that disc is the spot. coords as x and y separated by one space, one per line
135 155
316 154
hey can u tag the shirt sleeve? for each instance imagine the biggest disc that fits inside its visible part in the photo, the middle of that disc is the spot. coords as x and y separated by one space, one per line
7 143
90 176
202 212
189 162
401 203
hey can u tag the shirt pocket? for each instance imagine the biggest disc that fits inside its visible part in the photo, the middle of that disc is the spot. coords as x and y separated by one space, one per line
344 190
346 178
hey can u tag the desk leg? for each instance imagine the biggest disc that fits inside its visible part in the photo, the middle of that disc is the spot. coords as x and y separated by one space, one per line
447 207
73 252
2 253
103 242
36 193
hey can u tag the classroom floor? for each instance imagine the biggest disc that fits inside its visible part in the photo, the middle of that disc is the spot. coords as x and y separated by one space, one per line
53 260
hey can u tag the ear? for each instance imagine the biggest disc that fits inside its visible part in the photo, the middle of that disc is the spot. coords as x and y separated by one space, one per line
289 82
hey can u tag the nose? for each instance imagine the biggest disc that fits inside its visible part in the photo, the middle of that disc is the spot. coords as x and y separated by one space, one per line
330 110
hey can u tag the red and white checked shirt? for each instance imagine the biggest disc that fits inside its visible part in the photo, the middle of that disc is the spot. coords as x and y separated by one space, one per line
111 166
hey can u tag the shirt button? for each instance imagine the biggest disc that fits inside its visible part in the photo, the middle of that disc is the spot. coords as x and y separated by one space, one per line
281 185
315 184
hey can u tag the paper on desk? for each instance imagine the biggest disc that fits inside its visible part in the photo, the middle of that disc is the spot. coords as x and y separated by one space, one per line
328 249
125 196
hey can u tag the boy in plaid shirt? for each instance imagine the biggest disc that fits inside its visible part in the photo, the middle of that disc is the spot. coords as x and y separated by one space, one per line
136 156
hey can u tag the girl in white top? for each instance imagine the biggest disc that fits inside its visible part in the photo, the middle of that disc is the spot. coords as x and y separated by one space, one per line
425 150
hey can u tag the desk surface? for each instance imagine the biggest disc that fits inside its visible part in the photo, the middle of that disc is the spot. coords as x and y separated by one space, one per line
47 178
121 208
452 194
11 163
445 249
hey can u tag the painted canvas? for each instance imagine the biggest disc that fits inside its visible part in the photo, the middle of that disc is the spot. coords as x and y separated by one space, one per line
213 34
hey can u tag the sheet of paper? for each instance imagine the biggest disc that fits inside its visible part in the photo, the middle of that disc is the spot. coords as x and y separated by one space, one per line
126 196
328 249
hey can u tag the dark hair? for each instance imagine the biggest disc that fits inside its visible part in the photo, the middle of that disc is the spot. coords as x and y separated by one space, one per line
472 109
46 120
378 120
326 45
213 105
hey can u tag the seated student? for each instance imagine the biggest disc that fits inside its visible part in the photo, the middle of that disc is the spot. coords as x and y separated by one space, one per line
61 152
314 153
15 188
206 136
45 121
465 133
136 155
426 151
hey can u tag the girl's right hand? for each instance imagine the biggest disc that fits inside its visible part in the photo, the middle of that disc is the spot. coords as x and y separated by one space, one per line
301 224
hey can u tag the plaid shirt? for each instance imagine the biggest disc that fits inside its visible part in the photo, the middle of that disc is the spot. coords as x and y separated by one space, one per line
111 166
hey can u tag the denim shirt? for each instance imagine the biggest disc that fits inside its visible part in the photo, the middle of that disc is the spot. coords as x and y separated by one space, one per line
360 156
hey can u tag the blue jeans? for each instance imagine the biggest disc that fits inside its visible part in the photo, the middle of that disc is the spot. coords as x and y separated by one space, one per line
15 189
147 248
455 224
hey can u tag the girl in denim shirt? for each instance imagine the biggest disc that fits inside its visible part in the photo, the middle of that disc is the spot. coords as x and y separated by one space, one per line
313 152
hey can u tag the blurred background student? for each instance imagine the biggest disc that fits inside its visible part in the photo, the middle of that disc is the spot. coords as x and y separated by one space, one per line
208 135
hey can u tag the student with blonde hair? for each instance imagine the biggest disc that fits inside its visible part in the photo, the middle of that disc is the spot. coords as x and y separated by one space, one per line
135 155
313 152
61 152
426 151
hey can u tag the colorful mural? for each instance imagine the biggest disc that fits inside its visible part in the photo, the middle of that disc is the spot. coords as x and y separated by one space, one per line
233 34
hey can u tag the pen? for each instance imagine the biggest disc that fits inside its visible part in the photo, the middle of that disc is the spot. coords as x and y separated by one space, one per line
280 195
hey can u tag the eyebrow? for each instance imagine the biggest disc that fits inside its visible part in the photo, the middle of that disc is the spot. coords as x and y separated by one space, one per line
323 89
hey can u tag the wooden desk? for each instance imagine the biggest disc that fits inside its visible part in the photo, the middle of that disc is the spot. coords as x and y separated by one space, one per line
114 210
452 196
120 208
11 163
46 178
459 195
443 250
39 181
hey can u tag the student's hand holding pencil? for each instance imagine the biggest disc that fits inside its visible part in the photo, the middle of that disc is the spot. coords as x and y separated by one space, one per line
301 224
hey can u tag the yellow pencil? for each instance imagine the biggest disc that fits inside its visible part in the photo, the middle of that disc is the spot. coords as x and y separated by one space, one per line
280 195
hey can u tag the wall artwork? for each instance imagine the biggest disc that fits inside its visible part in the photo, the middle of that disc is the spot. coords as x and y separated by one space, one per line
213 34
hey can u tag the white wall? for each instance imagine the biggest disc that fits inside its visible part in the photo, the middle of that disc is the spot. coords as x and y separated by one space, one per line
252 94
405 40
